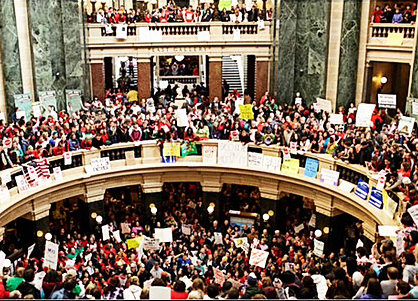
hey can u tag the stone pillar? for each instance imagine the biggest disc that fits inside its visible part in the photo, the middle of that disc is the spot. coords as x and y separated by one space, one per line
208 198
262 82
87 209
268 205
97 79
25 51
334 42
144 78
155 198
215 77
3 107
40 218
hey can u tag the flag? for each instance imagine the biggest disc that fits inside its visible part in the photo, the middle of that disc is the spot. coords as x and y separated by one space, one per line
43 164
36 171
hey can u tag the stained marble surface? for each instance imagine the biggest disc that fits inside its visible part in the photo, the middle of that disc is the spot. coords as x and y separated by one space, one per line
56 46
10 52
414 83
303 49
349 48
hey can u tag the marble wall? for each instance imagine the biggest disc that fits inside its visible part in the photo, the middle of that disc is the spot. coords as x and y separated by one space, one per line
414 82
56 46
303 49
350 36
10 52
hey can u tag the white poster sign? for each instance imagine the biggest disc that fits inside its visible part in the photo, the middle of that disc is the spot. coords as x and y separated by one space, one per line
203 35
237 34
312 221
37 111
413 211
182 119
318 248
51 255
6 178
22 184
386 101
67 158
388 231
121 31
272 163
399 243
232 153
406 125
293 148
324 104
329 176
218 238
364 114
359 244
210 154
286 153
336 118
255 160
100 165
159 293
164 234
30 249
186 229
415 108
105 232
57 173
116 236
259 258
346 186
299 228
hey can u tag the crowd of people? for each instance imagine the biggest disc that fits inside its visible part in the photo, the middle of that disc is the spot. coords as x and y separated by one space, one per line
173 13
399 13
114 271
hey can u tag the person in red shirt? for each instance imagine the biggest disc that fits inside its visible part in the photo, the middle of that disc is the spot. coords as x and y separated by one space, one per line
59 150
179 291
189 15
377 15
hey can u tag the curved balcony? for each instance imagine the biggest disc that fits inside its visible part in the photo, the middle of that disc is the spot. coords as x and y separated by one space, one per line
140 163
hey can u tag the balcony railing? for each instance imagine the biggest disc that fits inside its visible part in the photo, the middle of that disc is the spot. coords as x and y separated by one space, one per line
381 36
382 30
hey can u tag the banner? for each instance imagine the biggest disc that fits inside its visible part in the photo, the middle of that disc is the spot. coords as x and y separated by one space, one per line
73 98
24 103
186 229
232 153
376 197
362 190
246 111
336 118
272 163
259 258
188 148
47 99
311 168
100 165
255 160
171 149
324 104
291 166
386 101
51 255
210 154
218 238
406 125
364 114
329 176
164 234
318 247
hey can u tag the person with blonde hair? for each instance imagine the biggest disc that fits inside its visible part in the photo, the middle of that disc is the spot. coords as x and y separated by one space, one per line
134 290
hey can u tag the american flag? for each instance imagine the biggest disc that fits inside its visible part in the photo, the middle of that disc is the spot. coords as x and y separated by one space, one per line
36 172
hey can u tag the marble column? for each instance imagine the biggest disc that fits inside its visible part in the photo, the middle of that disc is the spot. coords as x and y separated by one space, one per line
208 198
149 198
414 82
97 78
262 81
10 53
349 53
144 78
362 50
87 209
287 47
334 43
215 77
3 106
25 50
311 48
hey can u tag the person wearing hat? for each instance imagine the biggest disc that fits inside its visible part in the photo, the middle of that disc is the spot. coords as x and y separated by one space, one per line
252 288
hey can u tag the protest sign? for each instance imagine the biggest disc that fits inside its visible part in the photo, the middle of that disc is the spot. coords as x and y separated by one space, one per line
388 231
246 111
171 149
6 178
203 35
218 238
182 119
299 228
318 247
272 163
312 221
259 258
164 234
364 114
359 244
116 236
24 103
30 249
413 211
346 186
329 176
336 118
232 153
381 180
125 228
57 173
311 168
399 244
151 244
22 184
390 206
186 229
100 165
67 158
159 293
386 101
188 148
291 166
376 197
286 153
51 255
255 160
47 99
362 190
73 98
132 243
210 154
406 125
293 148
324 104
105 232
121 31
219 276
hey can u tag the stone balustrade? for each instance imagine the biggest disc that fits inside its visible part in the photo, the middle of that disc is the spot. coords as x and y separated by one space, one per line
131 162
379 35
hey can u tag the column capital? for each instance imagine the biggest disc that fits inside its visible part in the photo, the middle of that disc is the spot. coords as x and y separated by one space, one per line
211 182
215 58
94 191
152 184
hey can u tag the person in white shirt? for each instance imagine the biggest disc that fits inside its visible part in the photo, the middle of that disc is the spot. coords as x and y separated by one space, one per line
133 292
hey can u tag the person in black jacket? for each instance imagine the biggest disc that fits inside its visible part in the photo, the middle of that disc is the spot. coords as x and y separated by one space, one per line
253 14
26 287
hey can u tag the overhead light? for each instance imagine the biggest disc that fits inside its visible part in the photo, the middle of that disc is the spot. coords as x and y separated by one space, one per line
266 217
318 233
93 215
99 219
326 230
40 233
179 58
271 212
48 236
154 210
210 209
383 80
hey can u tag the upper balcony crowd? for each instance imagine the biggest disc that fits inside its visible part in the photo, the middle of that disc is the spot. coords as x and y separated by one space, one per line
399 13
172 13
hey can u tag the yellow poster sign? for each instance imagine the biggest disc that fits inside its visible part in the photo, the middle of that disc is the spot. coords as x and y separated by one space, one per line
395 39
291 166
171 149
134 242
246 111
